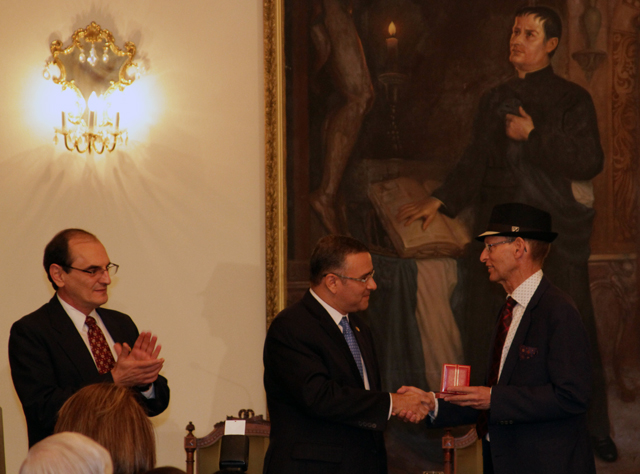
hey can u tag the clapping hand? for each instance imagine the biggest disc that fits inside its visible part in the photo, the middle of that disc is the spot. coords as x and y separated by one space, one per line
140 365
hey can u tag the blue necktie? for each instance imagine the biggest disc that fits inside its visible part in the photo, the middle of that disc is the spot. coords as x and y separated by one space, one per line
352 343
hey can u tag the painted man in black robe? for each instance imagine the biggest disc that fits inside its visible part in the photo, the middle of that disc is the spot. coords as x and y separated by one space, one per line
535 141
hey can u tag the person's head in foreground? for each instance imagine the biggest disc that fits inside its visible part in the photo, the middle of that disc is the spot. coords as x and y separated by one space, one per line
111 415
67 453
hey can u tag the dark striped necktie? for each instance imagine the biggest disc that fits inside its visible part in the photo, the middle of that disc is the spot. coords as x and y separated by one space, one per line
506 315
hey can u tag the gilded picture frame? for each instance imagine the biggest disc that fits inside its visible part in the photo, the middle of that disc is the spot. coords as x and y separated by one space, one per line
614 261
275 183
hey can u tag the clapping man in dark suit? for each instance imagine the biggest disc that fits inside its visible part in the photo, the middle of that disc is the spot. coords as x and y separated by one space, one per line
71 341
321 376
531 415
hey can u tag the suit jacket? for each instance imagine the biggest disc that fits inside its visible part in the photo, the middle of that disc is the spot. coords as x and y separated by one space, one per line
537 421
50 362
323 420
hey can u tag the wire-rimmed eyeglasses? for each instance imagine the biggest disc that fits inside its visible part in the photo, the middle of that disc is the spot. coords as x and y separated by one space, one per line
489 247
367 277
111 269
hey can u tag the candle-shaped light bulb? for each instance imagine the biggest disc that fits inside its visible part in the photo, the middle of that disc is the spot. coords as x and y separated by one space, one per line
392 47
93 105
64 120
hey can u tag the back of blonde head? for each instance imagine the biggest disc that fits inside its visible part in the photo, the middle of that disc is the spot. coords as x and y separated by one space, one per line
111 415
67 453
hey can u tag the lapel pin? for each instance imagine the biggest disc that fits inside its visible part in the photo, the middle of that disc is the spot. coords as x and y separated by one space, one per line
357 329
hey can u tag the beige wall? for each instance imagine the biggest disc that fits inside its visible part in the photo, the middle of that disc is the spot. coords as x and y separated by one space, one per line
181 208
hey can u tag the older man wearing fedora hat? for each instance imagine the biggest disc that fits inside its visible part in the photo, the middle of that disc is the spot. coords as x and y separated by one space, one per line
531 414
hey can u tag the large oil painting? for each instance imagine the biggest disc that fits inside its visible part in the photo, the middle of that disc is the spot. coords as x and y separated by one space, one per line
371 101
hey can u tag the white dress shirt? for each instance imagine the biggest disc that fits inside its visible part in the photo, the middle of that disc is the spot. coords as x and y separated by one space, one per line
522 295
79 321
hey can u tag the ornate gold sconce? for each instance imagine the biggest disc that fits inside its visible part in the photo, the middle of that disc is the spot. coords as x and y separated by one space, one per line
93 73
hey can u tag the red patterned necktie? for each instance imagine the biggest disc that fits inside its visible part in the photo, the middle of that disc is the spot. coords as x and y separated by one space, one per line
506 315
99 347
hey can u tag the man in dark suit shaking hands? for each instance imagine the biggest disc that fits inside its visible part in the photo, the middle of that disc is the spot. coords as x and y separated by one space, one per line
321 376
71 341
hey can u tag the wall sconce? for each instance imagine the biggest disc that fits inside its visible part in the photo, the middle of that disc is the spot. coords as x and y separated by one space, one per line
93 73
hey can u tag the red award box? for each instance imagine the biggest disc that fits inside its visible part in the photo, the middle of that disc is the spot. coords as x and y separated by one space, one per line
453 375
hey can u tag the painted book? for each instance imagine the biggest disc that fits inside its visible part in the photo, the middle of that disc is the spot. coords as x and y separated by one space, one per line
445 237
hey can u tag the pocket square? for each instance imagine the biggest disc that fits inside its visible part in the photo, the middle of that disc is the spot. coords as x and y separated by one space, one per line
527 352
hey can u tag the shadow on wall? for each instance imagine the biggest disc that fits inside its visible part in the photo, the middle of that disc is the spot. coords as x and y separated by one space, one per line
235 324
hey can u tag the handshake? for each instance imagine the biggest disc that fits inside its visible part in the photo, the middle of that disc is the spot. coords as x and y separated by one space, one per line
411 404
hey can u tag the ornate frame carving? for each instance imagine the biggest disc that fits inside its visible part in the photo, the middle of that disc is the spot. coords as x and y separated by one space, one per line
275 182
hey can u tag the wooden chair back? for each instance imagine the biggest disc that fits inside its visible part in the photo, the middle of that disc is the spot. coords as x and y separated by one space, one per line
203 454
462 454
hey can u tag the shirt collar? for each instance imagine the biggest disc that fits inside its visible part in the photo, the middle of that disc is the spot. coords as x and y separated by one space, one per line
540 74
334 313
527 288
77 317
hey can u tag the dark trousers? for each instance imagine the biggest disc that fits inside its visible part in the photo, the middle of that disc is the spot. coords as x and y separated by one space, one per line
487 462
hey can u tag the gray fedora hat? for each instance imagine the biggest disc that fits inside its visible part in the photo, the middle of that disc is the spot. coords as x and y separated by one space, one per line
519 220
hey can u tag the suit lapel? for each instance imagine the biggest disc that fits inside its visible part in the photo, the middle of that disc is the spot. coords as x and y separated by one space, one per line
521 333
331 328
493 341
69 340
115 330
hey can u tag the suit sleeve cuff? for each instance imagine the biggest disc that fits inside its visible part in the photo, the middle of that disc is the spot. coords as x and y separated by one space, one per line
434 413
150 392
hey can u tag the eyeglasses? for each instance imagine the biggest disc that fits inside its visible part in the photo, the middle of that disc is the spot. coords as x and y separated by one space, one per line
111 269
361 280
489 247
